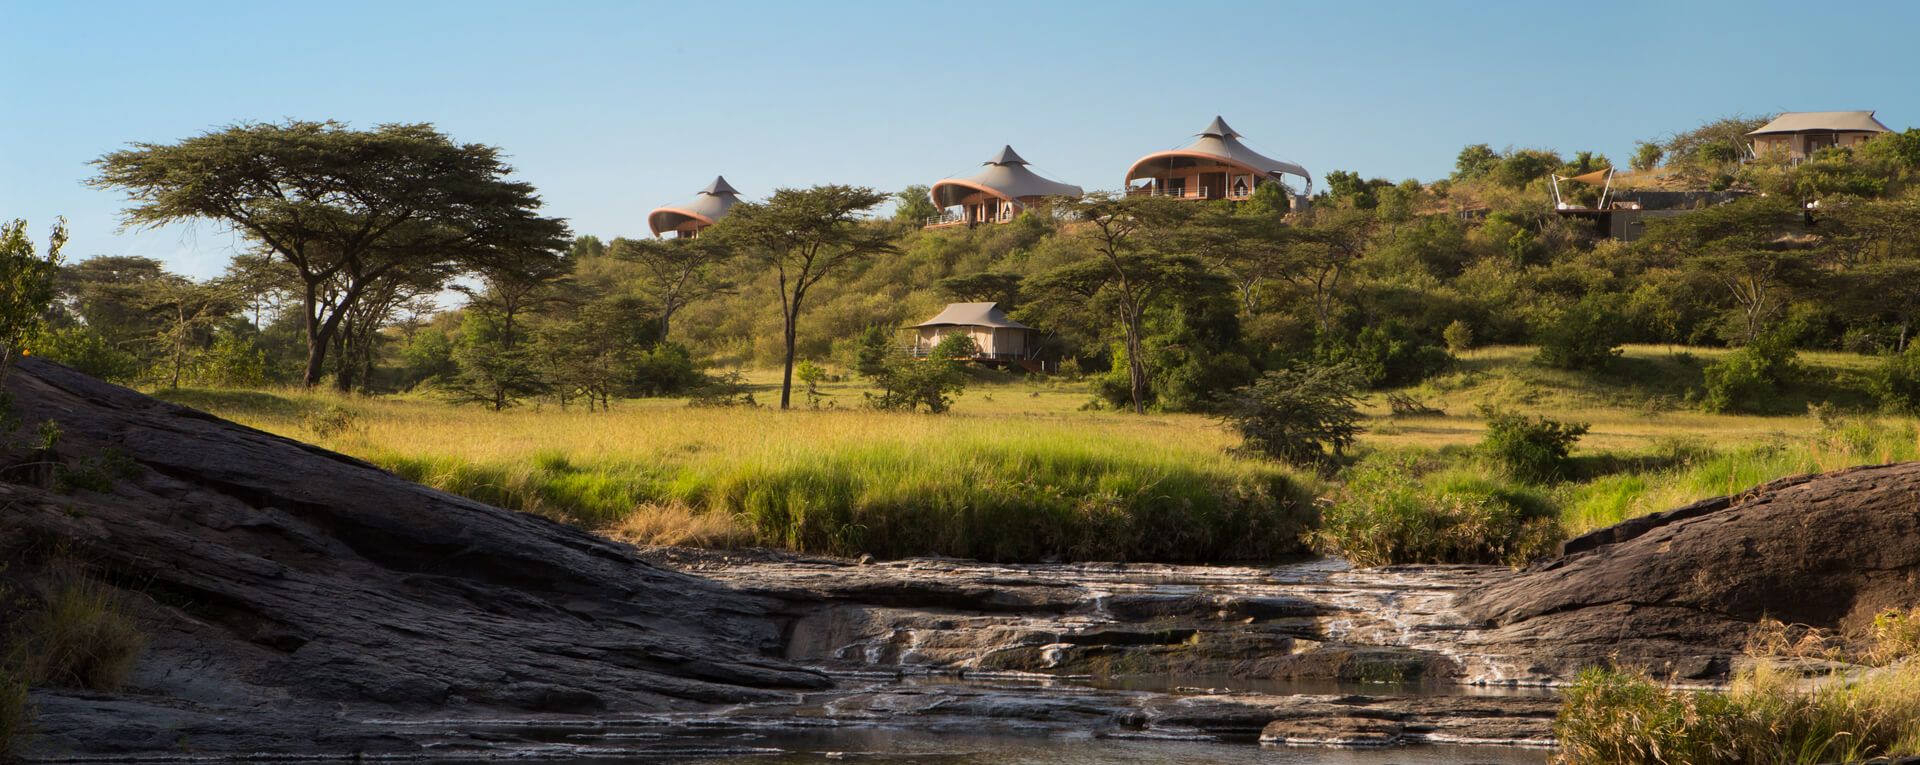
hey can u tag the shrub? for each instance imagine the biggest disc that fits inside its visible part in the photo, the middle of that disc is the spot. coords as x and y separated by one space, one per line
1386 355
1305 415
1390 513
907 384
1897 381
1741 381
83 349
1585 338
1458 336
1529 448
232 362
80 636
663 370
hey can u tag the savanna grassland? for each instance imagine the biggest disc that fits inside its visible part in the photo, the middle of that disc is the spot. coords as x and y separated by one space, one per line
1024 470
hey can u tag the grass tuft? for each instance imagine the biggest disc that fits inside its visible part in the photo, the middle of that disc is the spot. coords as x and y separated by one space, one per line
16 712
80 635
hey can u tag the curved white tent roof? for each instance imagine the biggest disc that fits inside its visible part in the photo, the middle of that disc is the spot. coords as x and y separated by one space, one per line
973 315
1839 122
712 203
1219 143
1006 177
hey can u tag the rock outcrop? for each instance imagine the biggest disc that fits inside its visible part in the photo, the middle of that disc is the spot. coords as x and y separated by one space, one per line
1679 592
280 582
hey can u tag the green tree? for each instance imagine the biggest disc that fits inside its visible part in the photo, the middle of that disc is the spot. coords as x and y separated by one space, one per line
1308 414
1746 250
26 287
341 206
677 272
491 373
1646 156
1129 269
1585 336
1475 161
907 383
914 204
806 235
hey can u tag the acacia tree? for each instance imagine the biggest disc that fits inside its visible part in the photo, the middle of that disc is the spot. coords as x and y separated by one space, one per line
1746 249
1248 245
1130 239
343 207
806 235
678 272
1317 258
1878 251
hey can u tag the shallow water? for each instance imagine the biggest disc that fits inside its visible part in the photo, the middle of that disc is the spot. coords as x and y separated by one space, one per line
894 746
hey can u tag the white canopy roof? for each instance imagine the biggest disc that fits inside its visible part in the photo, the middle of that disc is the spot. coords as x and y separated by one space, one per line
973 315
711 204
1006 177
1221 143
1840 122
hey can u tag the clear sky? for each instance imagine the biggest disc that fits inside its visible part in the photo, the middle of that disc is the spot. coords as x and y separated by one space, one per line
614 108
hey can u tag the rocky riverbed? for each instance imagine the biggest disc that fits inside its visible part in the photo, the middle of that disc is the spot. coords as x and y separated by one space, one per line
300 603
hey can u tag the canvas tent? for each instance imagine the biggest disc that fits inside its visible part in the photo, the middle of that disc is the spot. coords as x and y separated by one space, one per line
997 193
994 335
1216 165
710 205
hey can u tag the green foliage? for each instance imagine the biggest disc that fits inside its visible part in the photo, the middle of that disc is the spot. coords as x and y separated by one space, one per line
907 383
1396 508
1533 449
913 205
1475 161
1897 381
1305 415
427 357
1458 336
1585 337
1647 155
1745 380
26 287
232 362
86 351
492 373
1386 355
875 347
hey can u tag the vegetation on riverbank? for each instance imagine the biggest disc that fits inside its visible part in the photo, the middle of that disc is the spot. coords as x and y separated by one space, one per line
1021 470
1767 715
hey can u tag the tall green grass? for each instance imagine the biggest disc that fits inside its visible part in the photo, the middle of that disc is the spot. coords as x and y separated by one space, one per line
1006 498
1705 473
1414 507
80 635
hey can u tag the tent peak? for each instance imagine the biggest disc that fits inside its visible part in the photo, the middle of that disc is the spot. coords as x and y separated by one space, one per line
1218 127
1006 156
720 186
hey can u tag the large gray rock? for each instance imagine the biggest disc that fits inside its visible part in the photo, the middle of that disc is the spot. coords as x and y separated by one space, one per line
1679 592
275 579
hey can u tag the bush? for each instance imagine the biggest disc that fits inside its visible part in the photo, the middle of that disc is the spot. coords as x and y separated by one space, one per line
1305 415
1742 381
1390 513
1585 338
1529 448
80 636
907 384
665 369
83 349
1387 356
1459 337
1897 381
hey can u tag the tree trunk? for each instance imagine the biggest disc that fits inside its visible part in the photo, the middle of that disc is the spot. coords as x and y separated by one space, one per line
786 375
1136 368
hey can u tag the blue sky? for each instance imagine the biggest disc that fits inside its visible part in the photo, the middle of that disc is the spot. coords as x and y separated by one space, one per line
611 109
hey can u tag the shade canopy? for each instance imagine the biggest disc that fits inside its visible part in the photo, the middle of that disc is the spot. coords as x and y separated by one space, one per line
1217 143
710 205
973 315
1838 122
1006 176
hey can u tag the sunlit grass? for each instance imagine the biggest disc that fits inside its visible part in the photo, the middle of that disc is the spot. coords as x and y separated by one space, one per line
1022 468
